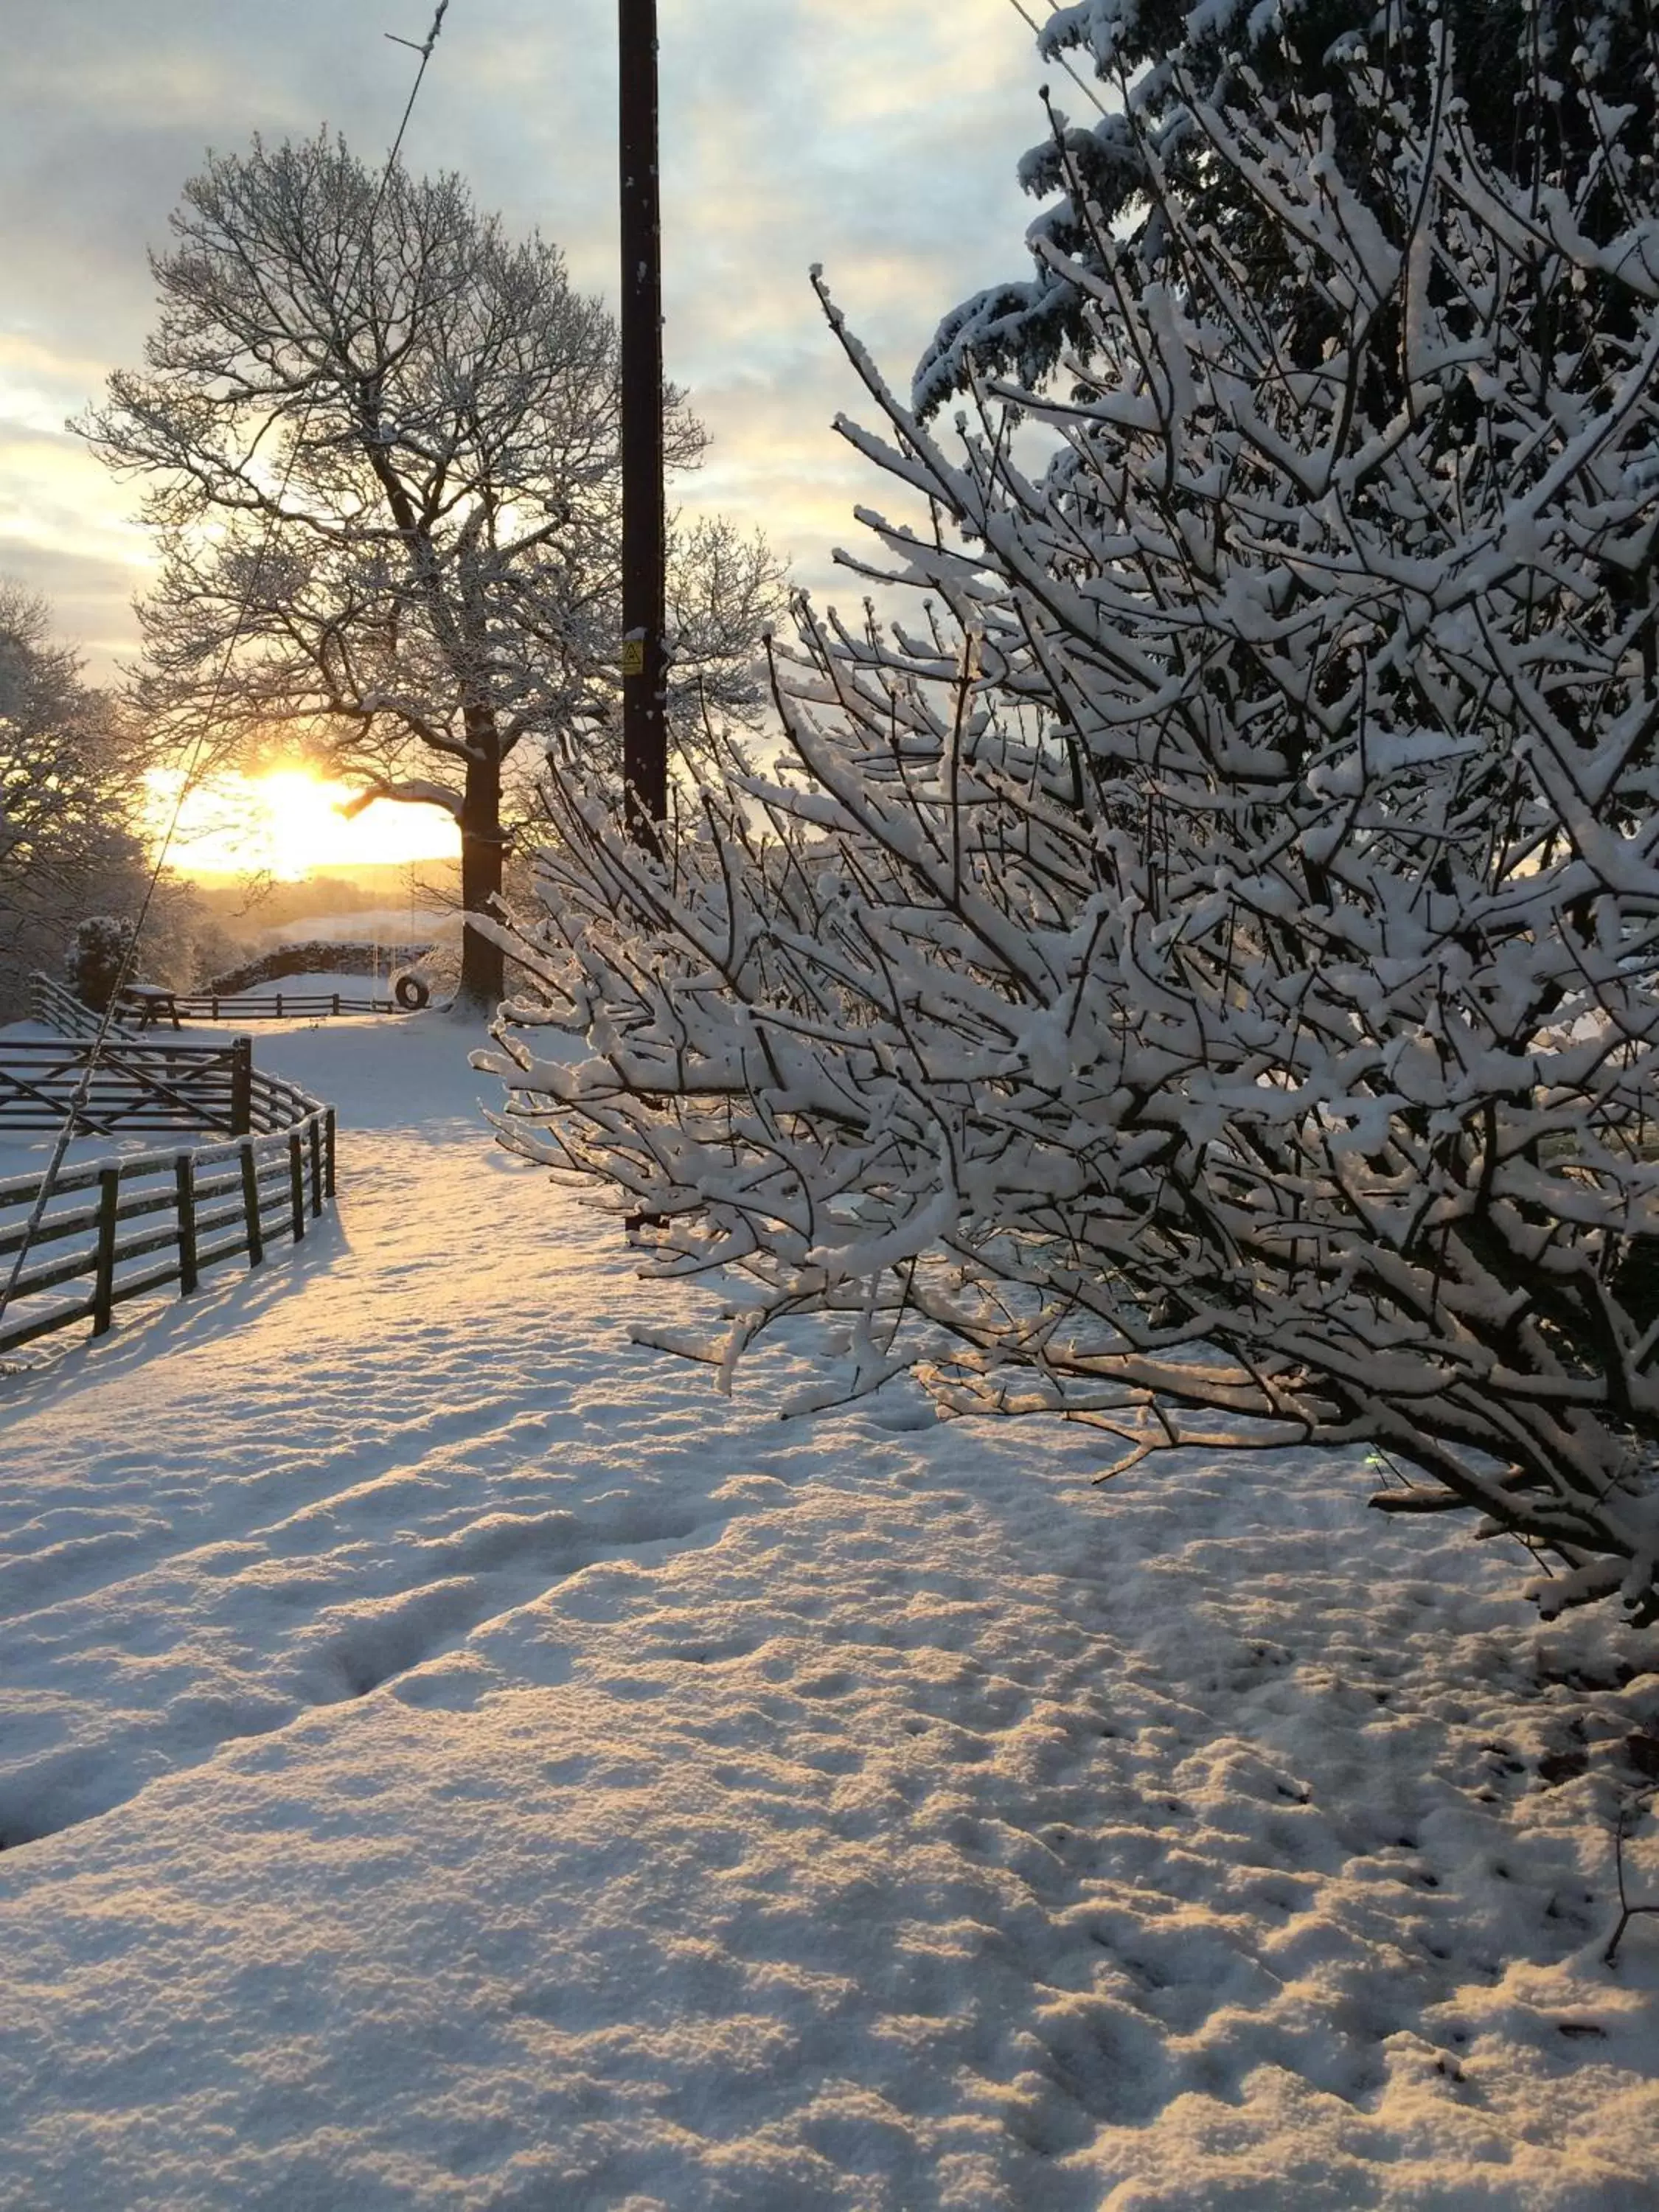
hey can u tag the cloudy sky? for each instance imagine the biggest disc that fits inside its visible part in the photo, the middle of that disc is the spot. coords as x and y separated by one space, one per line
878 136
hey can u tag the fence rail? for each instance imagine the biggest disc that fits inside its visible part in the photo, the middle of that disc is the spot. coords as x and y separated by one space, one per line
58 1008
135 1086
55 1008
275 1007
125 1228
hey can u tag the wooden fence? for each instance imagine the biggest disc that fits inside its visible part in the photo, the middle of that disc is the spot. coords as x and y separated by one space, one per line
277 1007
58 1008
128 1228
124 1229
135 1085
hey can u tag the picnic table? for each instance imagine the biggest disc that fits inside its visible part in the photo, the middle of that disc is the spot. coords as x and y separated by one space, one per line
148 1004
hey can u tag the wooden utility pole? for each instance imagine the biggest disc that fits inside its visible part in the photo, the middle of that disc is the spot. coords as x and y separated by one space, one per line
645 719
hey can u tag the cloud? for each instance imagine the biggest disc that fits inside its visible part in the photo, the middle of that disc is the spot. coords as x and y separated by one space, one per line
880 141
82 591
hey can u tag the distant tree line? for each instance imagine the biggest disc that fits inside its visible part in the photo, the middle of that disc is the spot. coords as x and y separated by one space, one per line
73 830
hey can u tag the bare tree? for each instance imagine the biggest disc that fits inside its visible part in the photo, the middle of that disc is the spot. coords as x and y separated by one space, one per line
1200 978
381 441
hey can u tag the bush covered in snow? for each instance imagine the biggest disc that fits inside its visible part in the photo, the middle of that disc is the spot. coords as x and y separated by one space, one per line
97 957
1199 975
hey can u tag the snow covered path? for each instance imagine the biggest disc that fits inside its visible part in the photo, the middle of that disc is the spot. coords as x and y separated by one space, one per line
453 1760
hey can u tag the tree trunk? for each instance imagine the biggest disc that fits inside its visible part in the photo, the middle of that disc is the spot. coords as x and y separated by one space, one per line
483 984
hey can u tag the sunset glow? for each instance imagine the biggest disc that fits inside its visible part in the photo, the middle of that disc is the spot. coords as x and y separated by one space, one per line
289 823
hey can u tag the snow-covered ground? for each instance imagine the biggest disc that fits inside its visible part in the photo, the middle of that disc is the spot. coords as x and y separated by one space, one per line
451 1759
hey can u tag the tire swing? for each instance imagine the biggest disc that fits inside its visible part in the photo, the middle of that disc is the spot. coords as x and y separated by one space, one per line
412 992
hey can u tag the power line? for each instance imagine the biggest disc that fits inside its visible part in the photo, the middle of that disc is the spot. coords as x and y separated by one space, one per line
82 1088
425 52
1082 83
423 48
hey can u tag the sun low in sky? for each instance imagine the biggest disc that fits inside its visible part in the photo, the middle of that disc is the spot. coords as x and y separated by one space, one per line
287 824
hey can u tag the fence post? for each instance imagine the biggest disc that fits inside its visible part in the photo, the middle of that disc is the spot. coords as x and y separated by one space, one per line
256 1243
184 1172
103 1285
296 1184
316 1141
279 1006
328 1154
336 1002
241 1086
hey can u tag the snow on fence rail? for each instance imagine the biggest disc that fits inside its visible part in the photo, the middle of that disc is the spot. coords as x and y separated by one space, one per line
194 1206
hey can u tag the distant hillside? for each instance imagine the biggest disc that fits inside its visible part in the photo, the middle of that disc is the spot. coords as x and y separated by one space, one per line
248 910
317 958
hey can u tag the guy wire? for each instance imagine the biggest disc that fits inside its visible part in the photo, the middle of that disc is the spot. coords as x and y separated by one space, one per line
1082 83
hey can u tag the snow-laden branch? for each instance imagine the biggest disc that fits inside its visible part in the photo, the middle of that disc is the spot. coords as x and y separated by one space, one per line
412 793
1204 978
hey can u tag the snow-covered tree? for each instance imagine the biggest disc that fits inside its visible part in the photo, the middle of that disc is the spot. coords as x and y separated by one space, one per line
99 956
380 440
70 762
1163 64
1202 975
